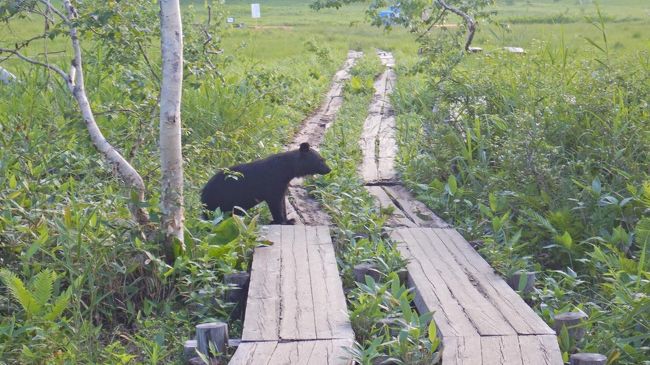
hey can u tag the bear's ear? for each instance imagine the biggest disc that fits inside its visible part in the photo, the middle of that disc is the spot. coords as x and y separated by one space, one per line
304 147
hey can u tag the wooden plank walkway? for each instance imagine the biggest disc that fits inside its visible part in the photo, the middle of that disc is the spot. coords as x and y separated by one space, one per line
296 311
377 140
481 319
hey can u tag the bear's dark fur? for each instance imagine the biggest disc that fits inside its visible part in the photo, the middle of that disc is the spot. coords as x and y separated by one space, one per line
263 180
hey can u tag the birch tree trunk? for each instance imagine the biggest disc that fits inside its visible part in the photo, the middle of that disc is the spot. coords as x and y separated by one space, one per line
171 159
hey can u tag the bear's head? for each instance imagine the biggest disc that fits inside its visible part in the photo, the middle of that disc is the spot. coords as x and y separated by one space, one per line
311 162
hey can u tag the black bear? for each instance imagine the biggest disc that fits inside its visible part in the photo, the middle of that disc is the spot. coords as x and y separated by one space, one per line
249 184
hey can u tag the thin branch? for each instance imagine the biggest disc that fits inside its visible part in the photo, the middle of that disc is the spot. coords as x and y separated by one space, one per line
471 24
36 62
442 13
146 59
55 11
26 42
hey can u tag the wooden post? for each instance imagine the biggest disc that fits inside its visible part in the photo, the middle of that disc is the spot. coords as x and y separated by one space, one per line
360 271
403 276
237 292
573 322
189 349
516 278
588 359
215 333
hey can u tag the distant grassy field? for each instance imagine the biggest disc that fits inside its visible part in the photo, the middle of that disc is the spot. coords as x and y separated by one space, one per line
286 25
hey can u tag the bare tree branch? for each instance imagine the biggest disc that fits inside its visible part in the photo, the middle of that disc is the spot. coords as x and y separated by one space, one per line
55 11
471 24
36 62
146 60
442 13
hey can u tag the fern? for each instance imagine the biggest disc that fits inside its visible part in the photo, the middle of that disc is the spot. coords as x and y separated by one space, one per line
41 287
542 222
35 297
60 304
19 292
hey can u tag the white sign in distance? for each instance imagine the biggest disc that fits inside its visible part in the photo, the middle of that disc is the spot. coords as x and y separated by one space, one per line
230 20
255 10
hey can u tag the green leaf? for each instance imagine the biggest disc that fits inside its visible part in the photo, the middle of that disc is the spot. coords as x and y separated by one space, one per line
596 186
493 201
405 307
565 340
19 292
225 232
642 237
12 181
452 185
565 240
433 331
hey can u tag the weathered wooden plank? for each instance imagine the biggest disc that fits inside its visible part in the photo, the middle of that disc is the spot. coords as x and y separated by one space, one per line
500 350
294 352
297 317
253 353
330 353
328 300
414 210
432 292
368 170
383 201
319 352
540 350
482 314
520 316
461 351
387 149
263 304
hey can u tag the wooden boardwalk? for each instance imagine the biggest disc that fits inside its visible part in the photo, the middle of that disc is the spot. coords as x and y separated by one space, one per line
296 311
377 140
481 319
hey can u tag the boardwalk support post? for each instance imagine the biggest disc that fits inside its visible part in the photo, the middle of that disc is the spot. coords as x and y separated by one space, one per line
588 359
573 322
522 281
361 270
212 335
237 292
189 349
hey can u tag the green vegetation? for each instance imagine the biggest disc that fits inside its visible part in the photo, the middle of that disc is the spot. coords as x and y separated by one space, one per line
541 158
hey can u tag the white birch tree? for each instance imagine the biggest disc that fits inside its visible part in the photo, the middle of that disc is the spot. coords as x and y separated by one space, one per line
171 159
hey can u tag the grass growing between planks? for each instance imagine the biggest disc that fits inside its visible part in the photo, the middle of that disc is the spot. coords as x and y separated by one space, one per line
385 324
